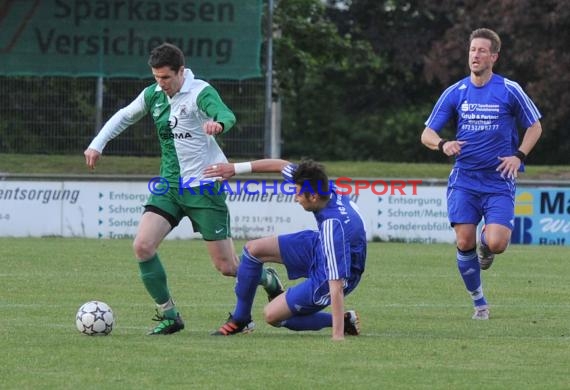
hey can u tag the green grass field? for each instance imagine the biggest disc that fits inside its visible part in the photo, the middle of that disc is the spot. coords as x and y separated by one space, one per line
120 165
417 331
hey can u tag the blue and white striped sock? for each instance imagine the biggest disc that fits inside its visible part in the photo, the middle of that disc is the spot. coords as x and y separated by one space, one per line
468 267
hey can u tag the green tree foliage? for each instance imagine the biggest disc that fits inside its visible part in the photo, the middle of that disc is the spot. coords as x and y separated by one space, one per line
358 78
313 65
534 53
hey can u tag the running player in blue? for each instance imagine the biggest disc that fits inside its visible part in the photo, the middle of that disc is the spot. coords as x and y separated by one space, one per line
489 110
332 259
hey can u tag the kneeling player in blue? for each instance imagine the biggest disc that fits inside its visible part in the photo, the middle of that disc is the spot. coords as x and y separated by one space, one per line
332 258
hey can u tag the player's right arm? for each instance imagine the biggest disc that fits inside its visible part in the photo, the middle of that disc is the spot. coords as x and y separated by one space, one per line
336 249
227 170
431 139
113 127
91 157
268 165
337 308
443 111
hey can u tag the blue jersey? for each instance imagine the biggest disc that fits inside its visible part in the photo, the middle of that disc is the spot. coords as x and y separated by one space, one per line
341 252
342 239
488 119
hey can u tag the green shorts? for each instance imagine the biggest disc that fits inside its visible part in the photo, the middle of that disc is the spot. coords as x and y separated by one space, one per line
205 206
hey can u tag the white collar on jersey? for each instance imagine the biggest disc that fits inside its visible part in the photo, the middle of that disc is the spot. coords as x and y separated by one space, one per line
188 79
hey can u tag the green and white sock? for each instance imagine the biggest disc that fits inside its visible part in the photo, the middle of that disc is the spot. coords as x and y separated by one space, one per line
266 280
168 309
154 279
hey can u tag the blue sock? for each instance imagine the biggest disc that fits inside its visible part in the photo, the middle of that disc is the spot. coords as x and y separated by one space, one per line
315 321
471 273
248 275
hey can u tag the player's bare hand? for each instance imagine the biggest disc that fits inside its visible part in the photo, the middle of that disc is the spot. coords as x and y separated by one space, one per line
213 128
453 148
223 171
91 157
509 166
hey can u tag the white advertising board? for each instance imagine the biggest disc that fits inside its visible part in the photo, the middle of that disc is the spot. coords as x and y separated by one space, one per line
111 209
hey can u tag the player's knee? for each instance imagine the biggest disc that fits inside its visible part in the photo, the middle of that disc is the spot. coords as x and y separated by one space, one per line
497 246
252 248
226 267
465 244
143 249
270 317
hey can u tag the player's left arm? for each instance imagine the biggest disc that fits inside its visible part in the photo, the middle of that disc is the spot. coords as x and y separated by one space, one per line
531 137
210 102
528 116
510 165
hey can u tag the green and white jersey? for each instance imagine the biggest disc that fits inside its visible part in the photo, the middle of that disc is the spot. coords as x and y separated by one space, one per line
186 149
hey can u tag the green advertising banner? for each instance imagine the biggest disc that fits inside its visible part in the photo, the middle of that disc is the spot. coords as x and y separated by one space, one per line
113 38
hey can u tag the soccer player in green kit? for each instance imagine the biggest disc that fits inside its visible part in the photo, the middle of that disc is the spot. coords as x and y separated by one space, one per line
188 113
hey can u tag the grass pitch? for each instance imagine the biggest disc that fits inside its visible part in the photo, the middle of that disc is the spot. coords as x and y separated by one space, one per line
417 331
64 165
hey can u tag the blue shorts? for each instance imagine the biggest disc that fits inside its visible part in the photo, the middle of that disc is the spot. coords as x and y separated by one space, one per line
472 195
303 257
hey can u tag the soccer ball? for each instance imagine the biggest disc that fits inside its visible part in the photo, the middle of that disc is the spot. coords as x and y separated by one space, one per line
95 318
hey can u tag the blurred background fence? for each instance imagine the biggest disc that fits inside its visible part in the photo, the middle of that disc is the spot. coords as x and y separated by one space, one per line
57 115
352 80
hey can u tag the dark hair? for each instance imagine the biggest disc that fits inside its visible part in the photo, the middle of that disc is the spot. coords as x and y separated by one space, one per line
490 35
312 178
166 55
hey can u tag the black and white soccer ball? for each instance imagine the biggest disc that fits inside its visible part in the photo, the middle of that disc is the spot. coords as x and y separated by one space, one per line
95 318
